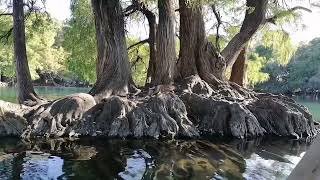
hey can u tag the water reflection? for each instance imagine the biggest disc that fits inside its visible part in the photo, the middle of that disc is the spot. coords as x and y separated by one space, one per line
149 159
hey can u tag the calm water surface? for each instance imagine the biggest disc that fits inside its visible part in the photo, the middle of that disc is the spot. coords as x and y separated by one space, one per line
270 158
10 93
149 159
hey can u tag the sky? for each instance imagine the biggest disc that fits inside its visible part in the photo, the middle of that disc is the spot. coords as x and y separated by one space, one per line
59 9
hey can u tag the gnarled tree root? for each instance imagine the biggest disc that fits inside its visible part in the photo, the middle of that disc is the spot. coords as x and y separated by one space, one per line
194 110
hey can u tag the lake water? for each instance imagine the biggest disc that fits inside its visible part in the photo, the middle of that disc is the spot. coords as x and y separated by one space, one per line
268 158
10 93
149 159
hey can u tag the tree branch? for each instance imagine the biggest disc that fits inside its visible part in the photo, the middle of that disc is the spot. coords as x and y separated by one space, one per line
218 18
251 23
133 64
138 43
276 16
130 10
6 14
6 35
316 4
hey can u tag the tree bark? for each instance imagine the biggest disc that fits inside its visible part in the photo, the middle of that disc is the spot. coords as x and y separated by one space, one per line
197 54
239 69
113 70
255 16
26 93
166 54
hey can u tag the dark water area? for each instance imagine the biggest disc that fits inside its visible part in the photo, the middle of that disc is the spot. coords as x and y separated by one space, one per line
87 158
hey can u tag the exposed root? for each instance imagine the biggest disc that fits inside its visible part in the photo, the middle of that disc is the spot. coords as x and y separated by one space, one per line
12 122
223 117
163 115
194 109
58 117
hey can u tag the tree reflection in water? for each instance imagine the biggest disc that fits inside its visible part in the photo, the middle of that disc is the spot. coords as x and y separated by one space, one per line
149 159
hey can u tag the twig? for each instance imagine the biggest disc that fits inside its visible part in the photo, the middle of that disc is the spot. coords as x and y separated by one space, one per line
6 14
276 16
6 35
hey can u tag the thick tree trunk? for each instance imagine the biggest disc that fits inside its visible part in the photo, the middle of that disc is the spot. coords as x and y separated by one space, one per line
188 40
239 69
26 93
197 54
113 70
255 16
166 54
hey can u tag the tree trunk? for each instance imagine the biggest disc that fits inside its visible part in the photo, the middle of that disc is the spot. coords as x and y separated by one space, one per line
26 93
255 16
1 77
113 70
239 69
188 40
152 41
197 54
166 54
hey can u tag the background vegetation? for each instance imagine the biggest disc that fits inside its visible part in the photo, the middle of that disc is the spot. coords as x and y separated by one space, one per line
69 49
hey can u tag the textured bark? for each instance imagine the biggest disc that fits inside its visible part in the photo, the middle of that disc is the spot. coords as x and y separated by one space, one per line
188 40
197 54
113 70
255 16
26 93
166 54
239 69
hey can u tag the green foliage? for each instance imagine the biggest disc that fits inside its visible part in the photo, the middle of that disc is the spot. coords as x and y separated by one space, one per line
255 74
80 41
139 60
302 72
6 48
41 50
40 38
280 42
304 65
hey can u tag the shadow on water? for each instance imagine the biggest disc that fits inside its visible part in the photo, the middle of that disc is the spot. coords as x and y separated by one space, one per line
149 159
